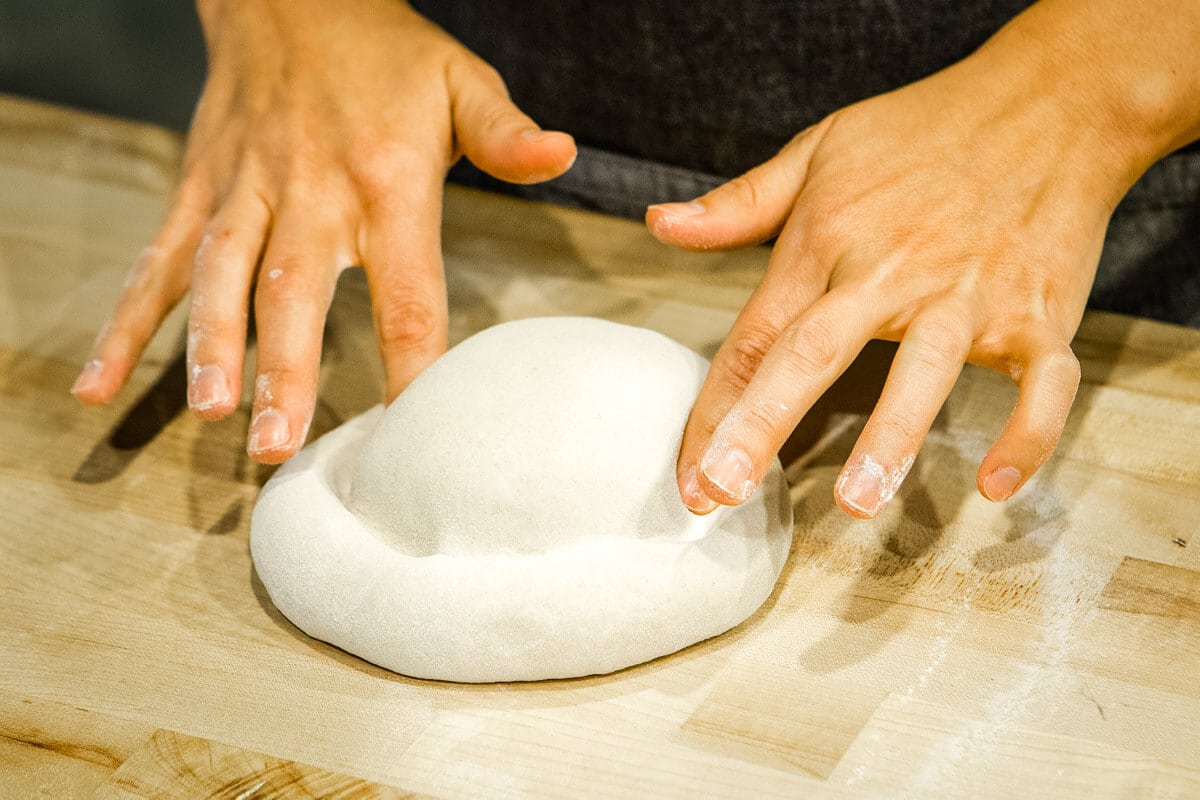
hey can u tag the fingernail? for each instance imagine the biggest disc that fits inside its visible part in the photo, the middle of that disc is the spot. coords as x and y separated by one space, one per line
867 486
861 488
533 135
730 470
268 431
693 496
209 387
89 378
692 209
1001 484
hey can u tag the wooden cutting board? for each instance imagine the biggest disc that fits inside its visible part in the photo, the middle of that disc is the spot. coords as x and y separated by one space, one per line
951 648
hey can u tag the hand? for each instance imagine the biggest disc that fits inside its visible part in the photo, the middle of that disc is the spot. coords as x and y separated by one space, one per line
962 216
321 141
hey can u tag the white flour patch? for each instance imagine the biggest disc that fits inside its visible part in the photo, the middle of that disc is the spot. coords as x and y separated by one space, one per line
889 479
262 388
1030 698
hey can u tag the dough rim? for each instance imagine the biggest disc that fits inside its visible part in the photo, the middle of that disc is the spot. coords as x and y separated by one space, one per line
338 581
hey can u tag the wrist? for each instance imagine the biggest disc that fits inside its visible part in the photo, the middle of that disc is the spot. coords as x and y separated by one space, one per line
1124 75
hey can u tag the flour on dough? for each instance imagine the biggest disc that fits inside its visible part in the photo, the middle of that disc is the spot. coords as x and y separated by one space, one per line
513 515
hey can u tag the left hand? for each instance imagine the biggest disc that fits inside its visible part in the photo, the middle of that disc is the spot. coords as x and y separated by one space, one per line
962 216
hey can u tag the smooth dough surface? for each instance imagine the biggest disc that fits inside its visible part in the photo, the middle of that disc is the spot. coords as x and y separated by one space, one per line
513 515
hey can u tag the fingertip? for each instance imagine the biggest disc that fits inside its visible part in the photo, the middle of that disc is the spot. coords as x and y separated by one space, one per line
671 223
852 511
692 495
214 413
535 156
860 490
999 484
866 486
96 384
1047 388
211 395
726 475
560 143
271 457
270 439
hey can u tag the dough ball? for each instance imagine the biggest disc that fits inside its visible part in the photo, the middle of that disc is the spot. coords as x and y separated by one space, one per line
513 515
532 436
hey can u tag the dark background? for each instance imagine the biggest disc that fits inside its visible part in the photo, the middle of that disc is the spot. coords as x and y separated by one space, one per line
141 59
145 60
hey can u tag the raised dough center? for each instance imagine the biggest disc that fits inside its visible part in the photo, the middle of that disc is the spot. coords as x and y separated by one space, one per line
531 438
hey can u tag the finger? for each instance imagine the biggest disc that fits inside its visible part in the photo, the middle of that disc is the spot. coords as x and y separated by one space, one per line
224 269
402 256
296 283
926 366
497 136
157 282
803 362
749 209
793 281
1046 390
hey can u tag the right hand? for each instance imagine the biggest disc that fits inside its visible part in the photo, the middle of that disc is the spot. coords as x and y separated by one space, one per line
321 141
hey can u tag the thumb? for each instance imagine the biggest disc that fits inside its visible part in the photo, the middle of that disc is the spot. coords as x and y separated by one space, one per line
497 136
749 209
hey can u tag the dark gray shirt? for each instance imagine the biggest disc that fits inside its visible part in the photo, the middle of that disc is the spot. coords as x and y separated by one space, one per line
667 99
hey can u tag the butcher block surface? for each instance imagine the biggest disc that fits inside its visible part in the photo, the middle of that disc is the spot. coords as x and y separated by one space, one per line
1045 647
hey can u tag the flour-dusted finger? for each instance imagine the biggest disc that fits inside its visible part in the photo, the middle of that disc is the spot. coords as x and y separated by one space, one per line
222 275
295 287
793 281
804 361
1047 384
927 364
156 283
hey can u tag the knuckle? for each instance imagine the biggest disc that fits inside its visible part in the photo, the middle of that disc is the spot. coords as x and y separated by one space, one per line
1056 369
745 354
383 170
1065 366
208 327
194 192
374 182
145 271
1038 436
895 428
151 290
829 221
489 75
813 346
284 280
759 422
744 191
406 325
939 343
215 248
497 115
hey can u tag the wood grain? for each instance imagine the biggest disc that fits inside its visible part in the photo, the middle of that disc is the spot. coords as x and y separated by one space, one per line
1045 647
59 752
187 768
1147 587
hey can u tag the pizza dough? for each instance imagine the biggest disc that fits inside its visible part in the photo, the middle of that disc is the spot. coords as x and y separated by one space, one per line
513 515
